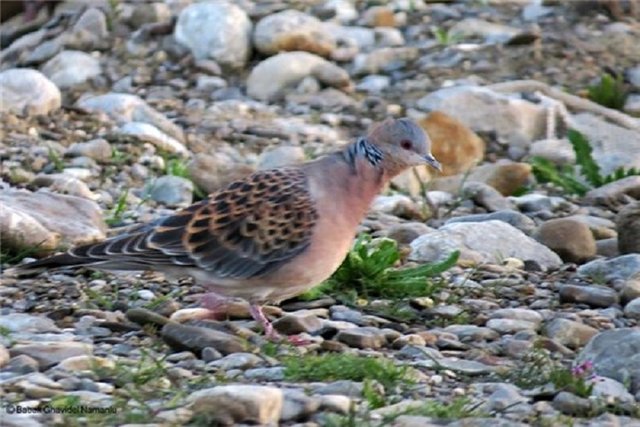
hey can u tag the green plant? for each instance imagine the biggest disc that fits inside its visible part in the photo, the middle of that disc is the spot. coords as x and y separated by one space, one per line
609 91
54 158
446 37
457 408
368 272
117 214
566 176
177 166
333 367
8 256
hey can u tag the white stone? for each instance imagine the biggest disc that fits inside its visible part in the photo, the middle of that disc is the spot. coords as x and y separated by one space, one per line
71 67
149 133
26 91
216 30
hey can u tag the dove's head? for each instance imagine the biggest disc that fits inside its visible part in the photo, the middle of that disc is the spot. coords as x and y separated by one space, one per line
403 144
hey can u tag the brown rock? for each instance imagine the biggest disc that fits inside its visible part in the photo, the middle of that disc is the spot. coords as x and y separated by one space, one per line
456 146
379 16
569 333
571 239
505 176
628 226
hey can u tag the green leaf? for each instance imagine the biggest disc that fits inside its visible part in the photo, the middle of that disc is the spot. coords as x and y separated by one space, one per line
584 159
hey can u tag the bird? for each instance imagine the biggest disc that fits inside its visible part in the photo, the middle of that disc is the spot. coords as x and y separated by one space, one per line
269 236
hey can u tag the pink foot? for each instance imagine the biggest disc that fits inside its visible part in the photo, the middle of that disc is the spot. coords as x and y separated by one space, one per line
216 304
270 333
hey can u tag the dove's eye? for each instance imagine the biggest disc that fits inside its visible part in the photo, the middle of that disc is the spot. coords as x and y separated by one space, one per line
406 144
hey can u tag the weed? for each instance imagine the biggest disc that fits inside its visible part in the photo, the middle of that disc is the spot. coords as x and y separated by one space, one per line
117 214
8 256
609 91
54 158
456 409
446 37
567 177
104 301
333 367
177 166
367 272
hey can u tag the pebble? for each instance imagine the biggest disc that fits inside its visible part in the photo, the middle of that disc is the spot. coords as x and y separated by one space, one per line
569 333
594 295
171 190
618 268
366 337
28 92
570 239
71 68
48 354
196 339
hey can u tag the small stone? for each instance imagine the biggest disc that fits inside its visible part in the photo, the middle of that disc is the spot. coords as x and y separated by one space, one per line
570 239
632 309
367 337
570 404
347 388
90 31
4 356
514 218
22 322
98 149
216 30
594 295
143 317
280 157
148 133
171 190
292 324
64 183
615 191
22 364
28 92
233 404
628 226
237 361
48 354
149 13
71 68
622 267
407 232
570 333
334 403
510 326
297 406
379 16
630 290
85 363
384 60
292 30
195 339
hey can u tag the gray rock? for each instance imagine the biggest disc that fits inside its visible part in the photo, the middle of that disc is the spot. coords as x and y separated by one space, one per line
558 151
45 220
572 240
468 367
235 404
632 310
615 191
148 133
98 149
367 337
510 326
216 30
343 388
21 364
613 146
612 392
487 241
569 333
89 32
484 110
374 84
28 92
615 354
504 397
237 361
124 108
633 75
171 190
628 226
517 314
64 184
265 374
632 105
468 333
492 32
292 30
630 290
281 156
406 232
622 267
196 339
22 322
594 295
570 404
48 354
148 13
291 324
297 406
71 67
270 79
514 218
385 59
486 196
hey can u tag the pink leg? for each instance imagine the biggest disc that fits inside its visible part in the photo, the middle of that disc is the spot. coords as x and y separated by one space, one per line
269 332
216 304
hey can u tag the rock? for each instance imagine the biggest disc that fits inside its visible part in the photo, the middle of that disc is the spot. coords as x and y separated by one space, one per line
632 309
514 218
48 354
593 295
510 326
89 32
633 75
235 404
505 396
4 356
630 290
374 84
335 403
612 392
615 354
570 404
292 30
456 146
297 406
615 191
237 361
570 239
85 363
607 248
407 232
98 149
210 174
628 226
504 175
292 324
195 339
601 228
44 220
125 108
71 67
486 196
613 146
483 110
22 322
632 105
367 337
270 79
281 156
384 60
379 16
622 267
216 30
62 183
171 190
144 317
558 151
518 314
28 92
149 13
479 241
492 33
398 205
569 333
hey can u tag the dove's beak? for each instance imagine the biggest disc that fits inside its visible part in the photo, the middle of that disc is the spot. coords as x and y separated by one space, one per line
431 161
